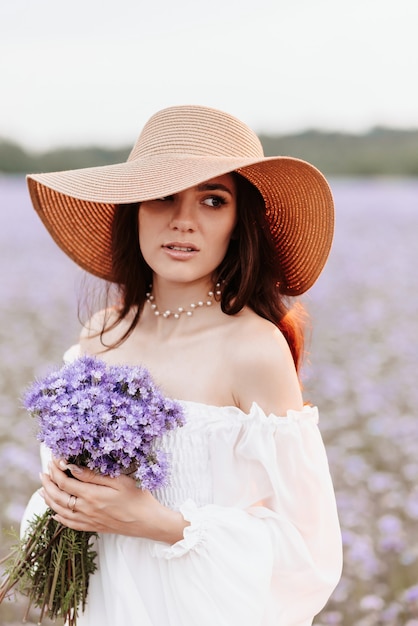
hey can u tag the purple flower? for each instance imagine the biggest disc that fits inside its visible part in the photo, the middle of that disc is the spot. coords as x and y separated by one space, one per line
371 603
108 418
411 594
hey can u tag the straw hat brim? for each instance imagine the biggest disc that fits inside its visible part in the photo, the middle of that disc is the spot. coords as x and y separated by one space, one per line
77 206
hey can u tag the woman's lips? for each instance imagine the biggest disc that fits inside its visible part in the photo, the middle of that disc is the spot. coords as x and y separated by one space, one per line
180 251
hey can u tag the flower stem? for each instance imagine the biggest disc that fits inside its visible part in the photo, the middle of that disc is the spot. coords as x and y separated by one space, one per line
51 565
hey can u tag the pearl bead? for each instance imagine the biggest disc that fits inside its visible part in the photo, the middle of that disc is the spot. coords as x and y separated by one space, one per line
188 311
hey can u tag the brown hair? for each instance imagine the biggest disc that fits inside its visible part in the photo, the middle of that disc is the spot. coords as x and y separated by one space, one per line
249 273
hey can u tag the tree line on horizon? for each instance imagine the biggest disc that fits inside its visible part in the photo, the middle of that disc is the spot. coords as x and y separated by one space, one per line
379 152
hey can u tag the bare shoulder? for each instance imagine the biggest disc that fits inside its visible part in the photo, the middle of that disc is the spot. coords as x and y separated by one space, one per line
262 366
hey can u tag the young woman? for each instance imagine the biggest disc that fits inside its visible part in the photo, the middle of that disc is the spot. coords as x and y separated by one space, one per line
204 239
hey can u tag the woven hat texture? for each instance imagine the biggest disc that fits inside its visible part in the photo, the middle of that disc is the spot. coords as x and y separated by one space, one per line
179 148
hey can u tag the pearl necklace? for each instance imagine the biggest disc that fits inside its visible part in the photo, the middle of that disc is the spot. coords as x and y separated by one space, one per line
187 310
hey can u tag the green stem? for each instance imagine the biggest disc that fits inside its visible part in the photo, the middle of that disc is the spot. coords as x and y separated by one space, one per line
52 566
55 579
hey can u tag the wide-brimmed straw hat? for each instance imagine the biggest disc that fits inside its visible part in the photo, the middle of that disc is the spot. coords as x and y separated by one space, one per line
179 148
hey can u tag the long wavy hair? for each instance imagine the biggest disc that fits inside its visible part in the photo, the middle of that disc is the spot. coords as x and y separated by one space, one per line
249 272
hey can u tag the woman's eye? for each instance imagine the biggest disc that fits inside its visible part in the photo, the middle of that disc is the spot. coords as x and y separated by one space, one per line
214 201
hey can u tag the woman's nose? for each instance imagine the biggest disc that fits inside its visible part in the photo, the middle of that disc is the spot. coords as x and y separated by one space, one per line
184 215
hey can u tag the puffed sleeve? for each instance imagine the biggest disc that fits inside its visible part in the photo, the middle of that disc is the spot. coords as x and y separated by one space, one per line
36 504
272 554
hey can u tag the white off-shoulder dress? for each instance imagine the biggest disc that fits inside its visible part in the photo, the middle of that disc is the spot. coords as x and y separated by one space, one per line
263 547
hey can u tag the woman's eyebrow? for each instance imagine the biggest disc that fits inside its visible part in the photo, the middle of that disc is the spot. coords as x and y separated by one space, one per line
213 187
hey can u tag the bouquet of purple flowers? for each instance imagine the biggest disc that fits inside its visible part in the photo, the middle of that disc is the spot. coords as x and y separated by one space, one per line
109 419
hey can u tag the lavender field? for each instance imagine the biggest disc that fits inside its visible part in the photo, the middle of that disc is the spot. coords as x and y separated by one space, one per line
362 373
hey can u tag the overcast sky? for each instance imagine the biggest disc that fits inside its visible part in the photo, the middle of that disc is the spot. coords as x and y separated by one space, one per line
93 71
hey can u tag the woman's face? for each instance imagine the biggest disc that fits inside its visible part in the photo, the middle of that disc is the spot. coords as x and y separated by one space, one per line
184 237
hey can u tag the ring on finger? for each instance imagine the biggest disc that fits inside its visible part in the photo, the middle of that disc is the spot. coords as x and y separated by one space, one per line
72 501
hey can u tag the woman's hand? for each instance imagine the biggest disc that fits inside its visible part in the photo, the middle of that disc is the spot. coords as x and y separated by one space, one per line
101 504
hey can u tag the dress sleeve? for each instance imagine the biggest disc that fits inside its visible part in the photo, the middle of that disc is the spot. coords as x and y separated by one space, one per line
36 504
277 559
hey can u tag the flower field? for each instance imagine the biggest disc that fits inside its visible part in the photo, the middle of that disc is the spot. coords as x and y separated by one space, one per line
361 371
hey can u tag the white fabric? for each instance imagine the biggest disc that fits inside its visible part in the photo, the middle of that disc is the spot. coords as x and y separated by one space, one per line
263 547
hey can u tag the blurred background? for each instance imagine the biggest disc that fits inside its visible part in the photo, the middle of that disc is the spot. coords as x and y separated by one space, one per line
330 82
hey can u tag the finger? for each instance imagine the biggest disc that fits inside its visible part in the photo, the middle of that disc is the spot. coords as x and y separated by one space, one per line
65 506
86 475
62 480
51 493
68 468
74 522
